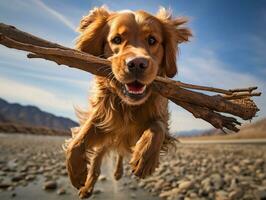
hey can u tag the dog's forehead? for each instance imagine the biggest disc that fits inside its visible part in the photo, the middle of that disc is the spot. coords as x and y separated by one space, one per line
129 19
126 11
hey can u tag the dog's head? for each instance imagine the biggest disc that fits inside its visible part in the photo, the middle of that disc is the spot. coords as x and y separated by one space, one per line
139 45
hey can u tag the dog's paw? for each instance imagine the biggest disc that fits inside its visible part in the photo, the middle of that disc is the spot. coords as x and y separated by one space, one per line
144 163
84 192
76 164
118 173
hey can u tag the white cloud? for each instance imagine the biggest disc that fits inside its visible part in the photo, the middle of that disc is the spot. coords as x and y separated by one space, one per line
56 14
21 92
181 120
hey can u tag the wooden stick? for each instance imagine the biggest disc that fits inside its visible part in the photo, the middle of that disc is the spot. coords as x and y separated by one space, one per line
241 95
59 53
216 103
23 37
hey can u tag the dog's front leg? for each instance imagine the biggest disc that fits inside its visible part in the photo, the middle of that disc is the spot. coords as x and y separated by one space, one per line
75 154
94 171
146 152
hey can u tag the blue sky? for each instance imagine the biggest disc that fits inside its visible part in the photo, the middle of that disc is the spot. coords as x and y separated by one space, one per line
227 50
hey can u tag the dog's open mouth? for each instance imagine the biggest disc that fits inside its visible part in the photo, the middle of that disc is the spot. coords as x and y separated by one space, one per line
135 90
135 87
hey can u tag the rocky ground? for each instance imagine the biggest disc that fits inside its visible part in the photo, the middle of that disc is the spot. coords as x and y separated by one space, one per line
211 171
32 167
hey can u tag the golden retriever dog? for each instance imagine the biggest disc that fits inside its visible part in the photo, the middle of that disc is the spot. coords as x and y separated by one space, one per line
125 115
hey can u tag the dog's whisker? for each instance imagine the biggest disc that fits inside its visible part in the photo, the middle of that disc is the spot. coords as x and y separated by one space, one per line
110 75
104 68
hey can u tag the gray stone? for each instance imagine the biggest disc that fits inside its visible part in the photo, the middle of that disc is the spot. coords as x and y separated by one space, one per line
5 185
17 178
206 181
236 169
234 183
159 184
133 187
217 181
185 185
236 194
97 191
141 184
50 185
133 195
29 177
221 195
259 162
102 178
170 193
61 191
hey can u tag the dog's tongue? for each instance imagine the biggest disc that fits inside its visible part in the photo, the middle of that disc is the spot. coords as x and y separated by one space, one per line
135 86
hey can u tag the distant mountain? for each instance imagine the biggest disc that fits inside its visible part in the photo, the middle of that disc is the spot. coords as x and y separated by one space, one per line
247 131
189 133
33 117
3 119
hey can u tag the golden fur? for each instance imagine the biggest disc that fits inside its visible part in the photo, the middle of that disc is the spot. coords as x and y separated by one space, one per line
118 121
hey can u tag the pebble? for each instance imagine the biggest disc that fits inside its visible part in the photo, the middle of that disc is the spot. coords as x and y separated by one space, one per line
17 178
61 191
49 185
102 178
97 191
236 169
29 177
13 194
221 195
5 185
217 181
133 187
236 194
133 195
170 193
185 185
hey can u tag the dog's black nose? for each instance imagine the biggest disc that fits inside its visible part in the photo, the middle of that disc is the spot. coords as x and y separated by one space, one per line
137 64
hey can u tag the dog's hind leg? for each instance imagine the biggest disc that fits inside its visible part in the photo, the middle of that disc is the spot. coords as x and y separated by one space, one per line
118 173
94 170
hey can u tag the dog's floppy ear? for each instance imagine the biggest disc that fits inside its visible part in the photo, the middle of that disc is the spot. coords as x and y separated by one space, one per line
174 34
92 31
183 34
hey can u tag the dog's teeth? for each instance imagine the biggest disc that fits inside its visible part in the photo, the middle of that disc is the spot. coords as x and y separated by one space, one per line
127 87
136 92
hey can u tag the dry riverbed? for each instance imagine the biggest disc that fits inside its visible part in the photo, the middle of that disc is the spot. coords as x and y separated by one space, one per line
32 167
211 171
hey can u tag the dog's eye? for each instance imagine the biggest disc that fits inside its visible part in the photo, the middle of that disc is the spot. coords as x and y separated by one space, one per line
116 40
151 40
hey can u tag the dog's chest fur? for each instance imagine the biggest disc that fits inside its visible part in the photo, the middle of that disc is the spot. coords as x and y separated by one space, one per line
121 124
